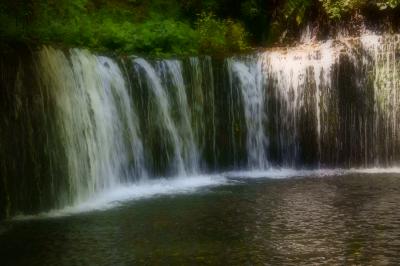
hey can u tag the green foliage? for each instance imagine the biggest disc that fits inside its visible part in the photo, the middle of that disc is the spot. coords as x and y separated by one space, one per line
290 15
250 8
211 32
163 38
125 26
236 36
295 10
388 4
167 27
337 8
220 36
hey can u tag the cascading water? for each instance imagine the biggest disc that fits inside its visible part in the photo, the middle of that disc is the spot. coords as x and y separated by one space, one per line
300 81
96 120
85 127
170 102
250 78
171 71
201 94
381 62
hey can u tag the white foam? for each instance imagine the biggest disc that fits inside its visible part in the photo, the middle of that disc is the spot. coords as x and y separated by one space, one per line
281 173
157 187
145 189
377 170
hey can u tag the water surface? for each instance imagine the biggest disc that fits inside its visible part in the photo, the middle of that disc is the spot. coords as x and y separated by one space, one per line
347 219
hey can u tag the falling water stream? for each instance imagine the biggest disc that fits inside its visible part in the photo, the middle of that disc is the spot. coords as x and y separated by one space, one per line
78 125
287 156
96 121
251 84
163 102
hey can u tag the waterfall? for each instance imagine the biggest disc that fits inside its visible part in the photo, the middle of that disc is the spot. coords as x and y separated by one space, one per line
252 91
179 130
95 117
301 80
297 83
201 92
74 124
171 70
381 61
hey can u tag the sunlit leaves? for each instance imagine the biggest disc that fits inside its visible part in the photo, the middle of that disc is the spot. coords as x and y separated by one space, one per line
337 8
388 4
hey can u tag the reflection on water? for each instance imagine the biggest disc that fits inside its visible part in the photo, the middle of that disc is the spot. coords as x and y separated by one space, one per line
343 220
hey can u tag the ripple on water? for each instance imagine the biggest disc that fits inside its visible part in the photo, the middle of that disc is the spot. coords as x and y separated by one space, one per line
347 219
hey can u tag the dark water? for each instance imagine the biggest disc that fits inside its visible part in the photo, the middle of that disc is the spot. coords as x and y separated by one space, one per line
342 220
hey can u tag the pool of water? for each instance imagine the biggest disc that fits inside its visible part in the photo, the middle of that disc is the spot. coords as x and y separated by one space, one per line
335 219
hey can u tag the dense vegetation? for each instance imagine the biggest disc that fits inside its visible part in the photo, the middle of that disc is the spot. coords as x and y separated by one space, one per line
169 27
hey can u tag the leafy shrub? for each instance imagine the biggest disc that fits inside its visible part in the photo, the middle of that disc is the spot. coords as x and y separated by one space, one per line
388 4
110 25
162 38
295 10
166 27
236 36
220 36
337 8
